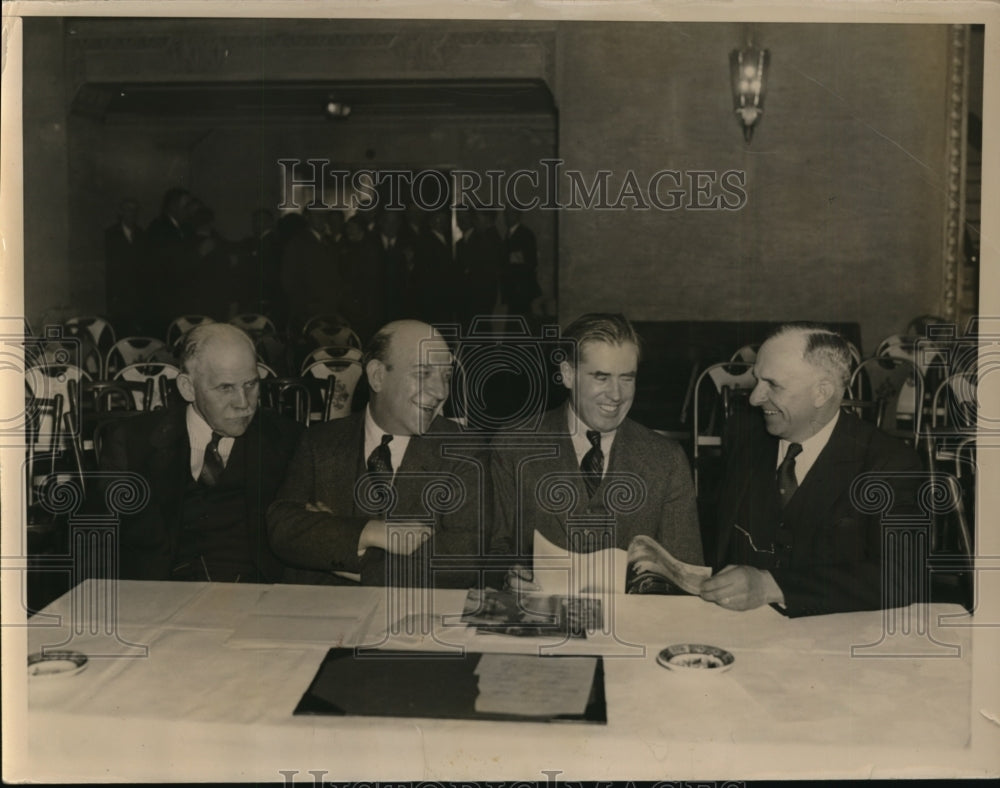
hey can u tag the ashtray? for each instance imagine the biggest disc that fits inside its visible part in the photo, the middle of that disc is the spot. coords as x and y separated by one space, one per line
56 663
695 656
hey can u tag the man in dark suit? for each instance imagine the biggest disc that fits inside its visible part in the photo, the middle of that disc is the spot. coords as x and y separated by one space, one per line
380 496
212 467
790 532
623 475
518 279
126 269
310 273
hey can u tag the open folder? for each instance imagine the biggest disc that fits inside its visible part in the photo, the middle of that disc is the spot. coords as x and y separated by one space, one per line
525 687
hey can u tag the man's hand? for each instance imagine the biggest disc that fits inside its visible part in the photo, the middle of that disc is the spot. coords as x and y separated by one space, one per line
519 579
403 538
741 588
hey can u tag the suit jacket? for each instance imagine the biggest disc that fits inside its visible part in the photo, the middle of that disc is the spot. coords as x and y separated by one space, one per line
828 555
126 273
310 279
518 281
667 510
446 491
156 446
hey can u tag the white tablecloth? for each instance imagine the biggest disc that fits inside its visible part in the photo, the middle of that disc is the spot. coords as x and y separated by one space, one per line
197 681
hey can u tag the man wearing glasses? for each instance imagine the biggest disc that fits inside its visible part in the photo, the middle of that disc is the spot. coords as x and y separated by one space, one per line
789 532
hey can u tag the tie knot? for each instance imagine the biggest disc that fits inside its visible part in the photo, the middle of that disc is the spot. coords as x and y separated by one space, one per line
216 437
386 439
794 450
595 438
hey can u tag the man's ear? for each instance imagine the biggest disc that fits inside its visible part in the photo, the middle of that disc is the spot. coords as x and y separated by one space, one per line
185 386
824 390
568 373
375 370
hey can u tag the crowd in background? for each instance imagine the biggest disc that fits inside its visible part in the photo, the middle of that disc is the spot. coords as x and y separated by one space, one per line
366 267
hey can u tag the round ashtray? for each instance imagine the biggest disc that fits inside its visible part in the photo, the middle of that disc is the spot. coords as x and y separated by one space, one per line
56 663
695 656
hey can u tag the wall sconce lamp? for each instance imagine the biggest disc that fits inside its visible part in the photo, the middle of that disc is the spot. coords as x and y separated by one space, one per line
748 72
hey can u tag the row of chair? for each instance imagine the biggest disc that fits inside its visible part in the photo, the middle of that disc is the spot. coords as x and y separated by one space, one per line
101 352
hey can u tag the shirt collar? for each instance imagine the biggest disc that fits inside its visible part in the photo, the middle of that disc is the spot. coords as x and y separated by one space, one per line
373 437
199 436
578 434
811 448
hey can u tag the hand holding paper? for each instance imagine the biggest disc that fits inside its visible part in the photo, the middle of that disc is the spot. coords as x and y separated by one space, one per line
648 555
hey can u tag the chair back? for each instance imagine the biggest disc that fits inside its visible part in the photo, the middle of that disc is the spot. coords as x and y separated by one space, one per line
288 396
717 388
955 402
888 391
136 350
264 372
97 336
179 326
152 391
340 378
331 353
324 330
44 383
256 325
747 354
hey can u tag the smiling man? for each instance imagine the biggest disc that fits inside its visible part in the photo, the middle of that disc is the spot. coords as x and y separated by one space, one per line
212 467
590 443
789 533
390 480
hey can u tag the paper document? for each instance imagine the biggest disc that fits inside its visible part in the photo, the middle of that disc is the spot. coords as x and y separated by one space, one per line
648 555
559 571
530 685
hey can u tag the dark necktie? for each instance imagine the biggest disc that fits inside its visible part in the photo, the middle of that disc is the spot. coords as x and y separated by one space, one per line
592 464
787 485
380 460
212 467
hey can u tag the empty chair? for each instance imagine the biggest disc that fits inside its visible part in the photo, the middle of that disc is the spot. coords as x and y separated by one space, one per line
152 389
44 383
730 383
888 391
747 354
136 350
331 353
97 336
181 325
322 330
255 324
288 396
333 387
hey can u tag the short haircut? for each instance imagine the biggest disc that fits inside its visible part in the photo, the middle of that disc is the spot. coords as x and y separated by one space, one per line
192 344
613 329
824 349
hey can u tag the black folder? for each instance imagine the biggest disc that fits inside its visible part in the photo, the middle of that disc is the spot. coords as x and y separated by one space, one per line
383 683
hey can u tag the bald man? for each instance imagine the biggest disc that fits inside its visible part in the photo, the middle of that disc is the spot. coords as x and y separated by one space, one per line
213 466
392 495
790 533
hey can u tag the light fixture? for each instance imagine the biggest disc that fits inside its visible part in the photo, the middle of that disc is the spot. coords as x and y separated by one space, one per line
337 109
748 72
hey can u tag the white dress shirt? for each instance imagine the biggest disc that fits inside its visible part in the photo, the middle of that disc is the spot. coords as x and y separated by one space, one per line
373 437
811 447
200 435
578 434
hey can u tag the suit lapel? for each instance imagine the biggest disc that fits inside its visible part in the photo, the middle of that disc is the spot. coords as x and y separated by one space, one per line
827 480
